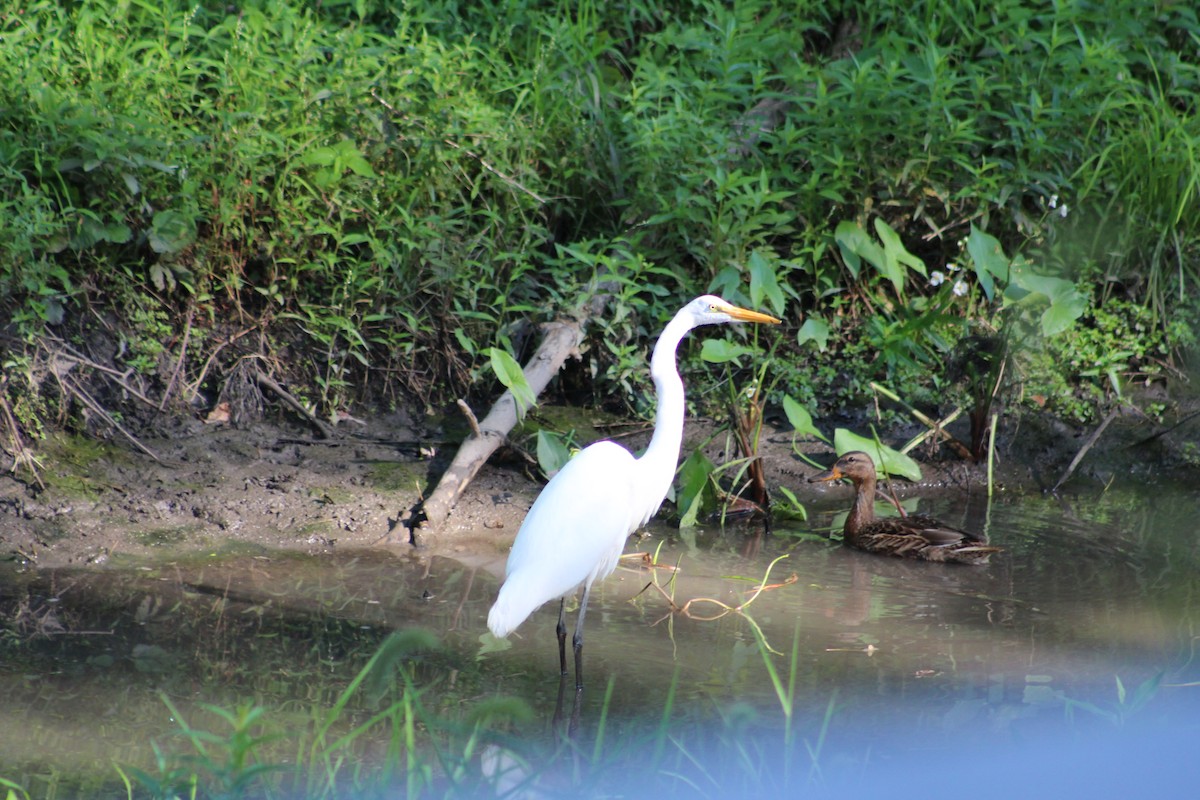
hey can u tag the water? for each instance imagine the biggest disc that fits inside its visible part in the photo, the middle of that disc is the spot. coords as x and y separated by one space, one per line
1077 643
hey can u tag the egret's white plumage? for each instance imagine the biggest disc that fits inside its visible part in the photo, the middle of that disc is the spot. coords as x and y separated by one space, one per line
577 527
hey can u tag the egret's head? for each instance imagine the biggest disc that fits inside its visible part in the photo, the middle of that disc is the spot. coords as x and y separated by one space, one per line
712 310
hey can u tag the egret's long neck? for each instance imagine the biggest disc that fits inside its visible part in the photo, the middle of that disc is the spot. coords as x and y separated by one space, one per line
657 464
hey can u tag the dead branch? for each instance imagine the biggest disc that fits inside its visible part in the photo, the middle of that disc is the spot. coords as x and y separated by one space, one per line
267 382
22 456
1091 440
77 391
561 340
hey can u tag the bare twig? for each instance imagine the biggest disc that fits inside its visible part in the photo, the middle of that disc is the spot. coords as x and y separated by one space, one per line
21 455
561 340
1091 440
89 401
934 426
470 415
187 333
268 382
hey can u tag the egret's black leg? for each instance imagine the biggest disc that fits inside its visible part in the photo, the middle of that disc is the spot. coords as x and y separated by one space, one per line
562 635
556 720
577 641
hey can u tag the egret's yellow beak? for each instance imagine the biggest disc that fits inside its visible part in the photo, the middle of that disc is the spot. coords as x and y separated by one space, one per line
746 315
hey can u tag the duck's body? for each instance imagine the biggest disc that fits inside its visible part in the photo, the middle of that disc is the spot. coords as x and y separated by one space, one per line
914 536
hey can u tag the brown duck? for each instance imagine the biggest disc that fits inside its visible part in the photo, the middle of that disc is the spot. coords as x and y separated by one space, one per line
914 536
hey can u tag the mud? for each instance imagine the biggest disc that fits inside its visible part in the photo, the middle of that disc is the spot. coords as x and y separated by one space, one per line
276 485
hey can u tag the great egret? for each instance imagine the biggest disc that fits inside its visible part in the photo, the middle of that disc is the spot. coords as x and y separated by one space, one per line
577 527
914 536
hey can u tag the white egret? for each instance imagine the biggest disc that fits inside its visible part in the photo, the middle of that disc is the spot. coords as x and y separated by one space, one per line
577 527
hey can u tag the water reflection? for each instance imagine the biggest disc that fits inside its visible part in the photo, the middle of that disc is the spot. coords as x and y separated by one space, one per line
1094 598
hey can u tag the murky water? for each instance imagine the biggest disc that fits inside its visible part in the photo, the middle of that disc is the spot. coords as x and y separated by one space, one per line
1086 626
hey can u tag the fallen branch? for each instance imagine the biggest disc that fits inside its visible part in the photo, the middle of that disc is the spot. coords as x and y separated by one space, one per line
267 382
21 455
935 427
1091 440
561 340
82 395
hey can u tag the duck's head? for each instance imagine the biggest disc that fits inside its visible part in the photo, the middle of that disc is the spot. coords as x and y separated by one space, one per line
855 465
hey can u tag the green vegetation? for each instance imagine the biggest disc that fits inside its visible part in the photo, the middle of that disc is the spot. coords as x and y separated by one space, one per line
372 203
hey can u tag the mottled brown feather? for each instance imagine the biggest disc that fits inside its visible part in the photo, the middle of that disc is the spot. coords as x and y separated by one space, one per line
913 536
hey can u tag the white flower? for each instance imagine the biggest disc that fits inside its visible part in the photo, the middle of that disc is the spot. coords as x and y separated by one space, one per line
1054 201
960 288
936 278
1062 212
952 267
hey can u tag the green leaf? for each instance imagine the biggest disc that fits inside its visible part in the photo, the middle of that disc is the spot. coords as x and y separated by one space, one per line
987 259
509 373
552 452
896 256
887 460
764 282
1061 314
1067 303
464 341
856 245
694 488
721 351
170 232
814 329
800 419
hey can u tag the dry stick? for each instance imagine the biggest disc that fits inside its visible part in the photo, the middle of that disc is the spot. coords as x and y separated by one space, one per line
1086 446
268 382
561 340
187 334
20 453
472 420
91 403
924 419
1187 418
208 362
115 376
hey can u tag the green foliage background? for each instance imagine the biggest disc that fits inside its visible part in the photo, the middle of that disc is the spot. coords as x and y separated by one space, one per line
367 197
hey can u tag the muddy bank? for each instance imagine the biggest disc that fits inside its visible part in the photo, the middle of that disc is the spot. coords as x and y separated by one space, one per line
275 485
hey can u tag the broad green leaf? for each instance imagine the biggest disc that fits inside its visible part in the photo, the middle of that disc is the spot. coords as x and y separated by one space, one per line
552 452
764 283
1062 313
895 256
1067 303
856 245
987 259
886 459
800 419
720 351
814 329
170 232
694 488
509 373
